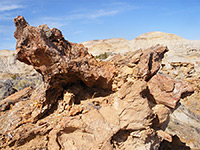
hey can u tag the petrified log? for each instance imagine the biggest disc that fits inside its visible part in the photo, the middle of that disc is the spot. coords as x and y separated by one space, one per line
60 62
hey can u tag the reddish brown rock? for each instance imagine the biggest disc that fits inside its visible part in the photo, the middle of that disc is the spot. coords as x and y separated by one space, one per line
144 63
57 59
60 62
167 91
75 110
64 66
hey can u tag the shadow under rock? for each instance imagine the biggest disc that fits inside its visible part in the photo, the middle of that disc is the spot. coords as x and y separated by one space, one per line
176 144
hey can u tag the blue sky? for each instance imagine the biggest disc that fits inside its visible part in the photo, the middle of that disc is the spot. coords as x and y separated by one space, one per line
83 20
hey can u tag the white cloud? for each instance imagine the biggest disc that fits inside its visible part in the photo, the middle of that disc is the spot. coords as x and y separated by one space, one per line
102 13
94 14
7 7
86 17
77 32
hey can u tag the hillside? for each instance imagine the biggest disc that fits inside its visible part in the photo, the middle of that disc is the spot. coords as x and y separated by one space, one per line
97 47
180 49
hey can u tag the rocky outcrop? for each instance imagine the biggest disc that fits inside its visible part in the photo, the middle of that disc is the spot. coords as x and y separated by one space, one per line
184 122
143 63
14 98
60 62
180 63
84 103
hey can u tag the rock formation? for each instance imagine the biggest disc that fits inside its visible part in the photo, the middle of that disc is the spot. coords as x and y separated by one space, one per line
84 103
184 122
182 62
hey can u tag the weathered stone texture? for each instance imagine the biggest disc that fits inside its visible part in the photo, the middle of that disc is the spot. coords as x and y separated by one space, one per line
84 103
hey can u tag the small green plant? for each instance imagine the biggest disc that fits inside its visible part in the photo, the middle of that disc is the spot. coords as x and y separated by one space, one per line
102 56
14 76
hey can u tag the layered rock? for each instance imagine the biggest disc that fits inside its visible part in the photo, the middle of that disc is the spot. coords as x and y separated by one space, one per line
15 75
141 63
184 122
84 103
181 49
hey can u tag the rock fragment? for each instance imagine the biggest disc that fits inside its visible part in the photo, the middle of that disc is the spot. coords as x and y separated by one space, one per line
167 91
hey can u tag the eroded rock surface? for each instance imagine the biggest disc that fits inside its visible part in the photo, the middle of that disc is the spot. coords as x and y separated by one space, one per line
84 103
184 122
167 91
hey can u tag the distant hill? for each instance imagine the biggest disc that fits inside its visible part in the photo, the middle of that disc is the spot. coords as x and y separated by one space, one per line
180 49
107 45
159 36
